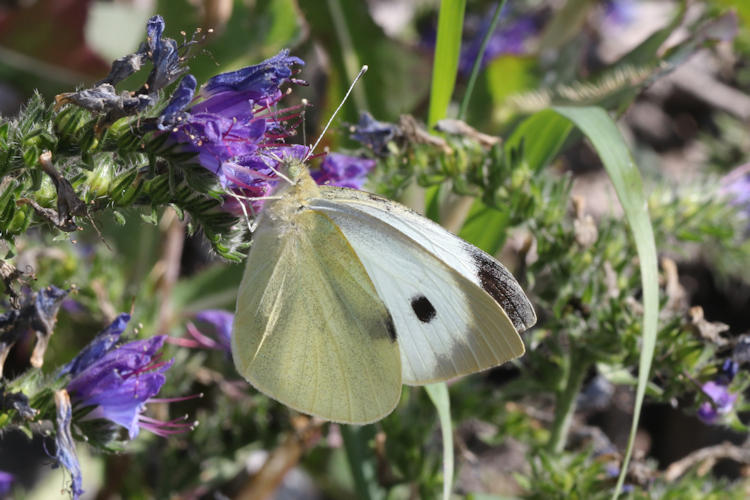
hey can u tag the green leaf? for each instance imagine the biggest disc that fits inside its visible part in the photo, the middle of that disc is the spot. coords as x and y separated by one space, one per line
447 51
213 288
507 75
439 395
355 440
478 60
485 227
432 202
397 78
646 52
541 136
606 139
444 71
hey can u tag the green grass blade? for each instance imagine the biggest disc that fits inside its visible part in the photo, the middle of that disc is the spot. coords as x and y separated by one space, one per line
439 395
478 62
447 51
444 70
355 446
606 139
348 52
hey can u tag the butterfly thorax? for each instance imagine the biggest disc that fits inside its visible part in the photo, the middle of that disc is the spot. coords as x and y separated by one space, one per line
293 198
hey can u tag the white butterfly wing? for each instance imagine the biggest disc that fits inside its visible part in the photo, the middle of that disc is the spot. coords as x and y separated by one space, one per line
310 329
456 309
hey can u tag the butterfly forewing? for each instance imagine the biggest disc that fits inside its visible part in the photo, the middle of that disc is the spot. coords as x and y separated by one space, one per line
466 259
310 329
448 323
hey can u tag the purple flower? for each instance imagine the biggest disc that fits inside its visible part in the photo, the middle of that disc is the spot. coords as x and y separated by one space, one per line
728 371
65 452
374 134
181 98
736 186
6 483
344 171
218 325
168 66
234 93
117 381
103 342
233 128
722 402
620 12
120 383
508 38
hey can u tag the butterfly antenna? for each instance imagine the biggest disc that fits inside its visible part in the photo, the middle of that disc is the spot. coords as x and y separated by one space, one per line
304 121
244 211
325 129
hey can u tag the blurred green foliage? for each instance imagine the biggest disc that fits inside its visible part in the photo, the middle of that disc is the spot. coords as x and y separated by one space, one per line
581 272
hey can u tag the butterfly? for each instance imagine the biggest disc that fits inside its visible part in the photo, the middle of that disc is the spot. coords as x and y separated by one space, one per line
347 295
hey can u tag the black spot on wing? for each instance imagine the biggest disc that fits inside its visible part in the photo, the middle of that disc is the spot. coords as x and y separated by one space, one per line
391 327
423 308
502 286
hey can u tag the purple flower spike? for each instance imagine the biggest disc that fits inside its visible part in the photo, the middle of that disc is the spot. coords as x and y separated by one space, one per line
120 383
234 130
103 342
723 402
344 171
66 448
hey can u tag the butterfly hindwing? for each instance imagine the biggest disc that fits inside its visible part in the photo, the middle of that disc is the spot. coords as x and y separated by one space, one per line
310 329
456 309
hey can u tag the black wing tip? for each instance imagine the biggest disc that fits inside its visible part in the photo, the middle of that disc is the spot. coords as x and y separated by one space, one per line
500 284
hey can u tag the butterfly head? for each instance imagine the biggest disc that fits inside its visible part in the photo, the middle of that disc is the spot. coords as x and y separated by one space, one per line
293 168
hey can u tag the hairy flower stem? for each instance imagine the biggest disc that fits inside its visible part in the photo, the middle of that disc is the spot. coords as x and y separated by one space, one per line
576 371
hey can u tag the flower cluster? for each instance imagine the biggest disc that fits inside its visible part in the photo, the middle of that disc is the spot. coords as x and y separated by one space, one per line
112 382
233 126
343 170
116 381
721 398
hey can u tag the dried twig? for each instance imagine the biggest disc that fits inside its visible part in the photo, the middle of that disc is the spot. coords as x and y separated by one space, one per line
282 459
707 457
